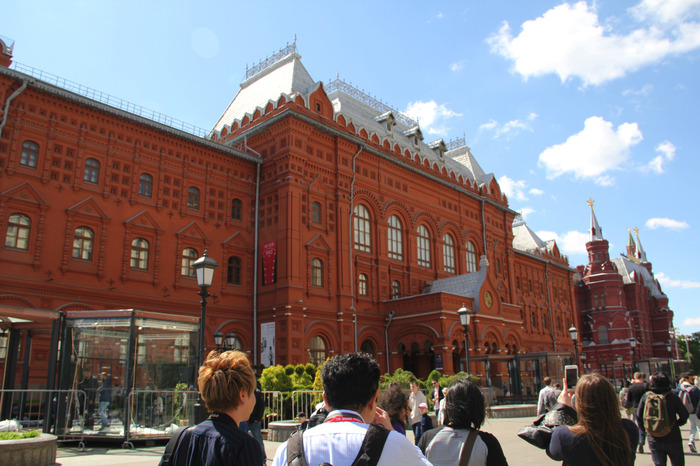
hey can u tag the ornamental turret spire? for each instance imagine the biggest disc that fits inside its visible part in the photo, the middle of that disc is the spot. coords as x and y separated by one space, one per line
596 231
641 255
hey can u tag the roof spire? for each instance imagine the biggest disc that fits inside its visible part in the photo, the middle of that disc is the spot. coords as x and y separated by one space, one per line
631 247
596 231
640 254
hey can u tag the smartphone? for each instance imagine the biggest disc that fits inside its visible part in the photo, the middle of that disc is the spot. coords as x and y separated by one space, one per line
571 374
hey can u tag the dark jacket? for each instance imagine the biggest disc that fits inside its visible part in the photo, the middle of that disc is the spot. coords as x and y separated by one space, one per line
574 449
217 441
676 411
259 410
105 390
636 392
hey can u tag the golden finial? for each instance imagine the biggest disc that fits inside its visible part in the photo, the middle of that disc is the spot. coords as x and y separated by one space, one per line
590 202
636 231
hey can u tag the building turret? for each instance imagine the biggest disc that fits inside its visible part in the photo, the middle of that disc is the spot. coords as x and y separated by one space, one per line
597 247
6 46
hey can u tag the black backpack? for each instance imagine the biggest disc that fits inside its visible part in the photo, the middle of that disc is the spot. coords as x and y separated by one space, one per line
369 453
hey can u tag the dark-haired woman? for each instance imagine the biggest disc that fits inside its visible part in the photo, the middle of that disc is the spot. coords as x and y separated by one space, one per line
465 412
601 436
395 402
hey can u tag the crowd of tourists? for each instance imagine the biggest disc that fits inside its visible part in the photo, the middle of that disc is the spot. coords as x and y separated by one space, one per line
587 424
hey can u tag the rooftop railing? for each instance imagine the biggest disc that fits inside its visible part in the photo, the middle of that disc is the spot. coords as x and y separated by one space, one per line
112 101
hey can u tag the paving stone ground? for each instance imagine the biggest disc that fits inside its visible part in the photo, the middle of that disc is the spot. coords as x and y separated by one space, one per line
516 450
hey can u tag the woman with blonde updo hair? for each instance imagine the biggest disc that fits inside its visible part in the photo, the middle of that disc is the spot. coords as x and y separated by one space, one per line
601 436
227 385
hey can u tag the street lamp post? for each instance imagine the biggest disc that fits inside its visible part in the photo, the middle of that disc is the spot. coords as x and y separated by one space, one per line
633 344
465 315
573 331
204 269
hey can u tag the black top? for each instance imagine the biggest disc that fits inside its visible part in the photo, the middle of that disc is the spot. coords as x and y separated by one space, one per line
636 391
217 442
575 450
676 411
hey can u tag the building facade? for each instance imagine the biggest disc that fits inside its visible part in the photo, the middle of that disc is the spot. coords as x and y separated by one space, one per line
626 324
336 226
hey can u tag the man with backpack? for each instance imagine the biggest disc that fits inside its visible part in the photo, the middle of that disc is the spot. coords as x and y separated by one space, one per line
660 414
634 395
690 396
348 435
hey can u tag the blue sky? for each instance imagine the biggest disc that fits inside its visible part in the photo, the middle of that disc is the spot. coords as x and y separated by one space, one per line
562 101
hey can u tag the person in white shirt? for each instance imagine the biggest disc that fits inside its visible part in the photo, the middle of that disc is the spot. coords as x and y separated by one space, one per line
546 400
350 390
414 400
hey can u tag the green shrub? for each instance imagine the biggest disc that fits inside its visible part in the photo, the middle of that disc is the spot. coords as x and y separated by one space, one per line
289 369
310 369
18 435
400 376
299 369
275 378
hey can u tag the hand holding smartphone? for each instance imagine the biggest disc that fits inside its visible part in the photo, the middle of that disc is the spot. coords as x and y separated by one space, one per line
571 376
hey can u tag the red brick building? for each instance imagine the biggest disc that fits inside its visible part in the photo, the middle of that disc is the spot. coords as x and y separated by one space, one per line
626 323
336 227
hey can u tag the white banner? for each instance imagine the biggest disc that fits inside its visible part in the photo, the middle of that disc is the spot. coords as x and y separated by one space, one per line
267 344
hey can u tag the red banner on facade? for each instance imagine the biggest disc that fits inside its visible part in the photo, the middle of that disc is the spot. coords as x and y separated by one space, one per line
269 257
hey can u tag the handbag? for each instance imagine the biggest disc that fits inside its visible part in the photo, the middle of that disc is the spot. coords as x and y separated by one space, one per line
539 433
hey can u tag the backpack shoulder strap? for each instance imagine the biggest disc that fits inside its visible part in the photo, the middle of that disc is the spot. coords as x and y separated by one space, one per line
467 448
295 449
372 446
172 444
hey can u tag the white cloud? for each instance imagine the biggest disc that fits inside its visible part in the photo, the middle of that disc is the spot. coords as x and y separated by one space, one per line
457 66
510 128
654 223
667 152
439 15
668 282
536 192
597 149
691 322
513 189
570 41
526 211
570 243
644 91
432 117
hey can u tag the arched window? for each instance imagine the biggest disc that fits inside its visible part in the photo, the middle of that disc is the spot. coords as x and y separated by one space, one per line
316 272
395 238
92 171
448 253
30 154
471 257
193 198
603 335
139 254
361 222
18 228
145 185
367 347
82 243
189 256
236 209
362 285
423 246
233 271
317 351
395 289
316 213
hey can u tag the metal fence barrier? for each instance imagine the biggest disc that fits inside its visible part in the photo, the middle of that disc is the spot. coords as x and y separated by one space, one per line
63 413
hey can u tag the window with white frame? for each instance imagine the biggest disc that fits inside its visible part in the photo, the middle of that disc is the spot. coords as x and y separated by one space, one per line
361 222
92 171
316 272
448 253
362 285
30 154
395 238
423 246
18 229
189 256
139 254
471 257
82 243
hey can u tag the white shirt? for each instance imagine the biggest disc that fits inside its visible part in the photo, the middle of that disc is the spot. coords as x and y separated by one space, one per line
338 443
415 399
